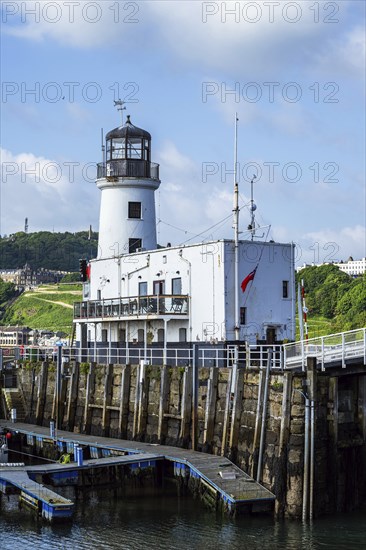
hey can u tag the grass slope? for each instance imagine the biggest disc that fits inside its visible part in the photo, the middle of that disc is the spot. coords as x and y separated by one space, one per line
317 326
48 307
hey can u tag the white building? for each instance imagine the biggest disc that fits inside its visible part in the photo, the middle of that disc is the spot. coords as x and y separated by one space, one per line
353 267
138 294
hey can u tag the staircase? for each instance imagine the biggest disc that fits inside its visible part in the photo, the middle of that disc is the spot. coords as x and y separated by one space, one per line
13 400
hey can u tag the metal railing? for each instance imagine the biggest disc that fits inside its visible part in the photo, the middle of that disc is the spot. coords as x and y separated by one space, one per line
334 348
135 306
129 168
208 356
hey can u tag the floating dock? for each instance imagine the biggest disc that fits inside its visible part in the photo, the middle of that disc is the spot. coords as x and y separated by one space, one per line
46 503
218 477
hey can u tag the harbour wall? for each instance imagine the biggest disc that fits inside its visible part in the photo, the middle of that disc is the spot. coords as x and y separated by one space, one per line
266 431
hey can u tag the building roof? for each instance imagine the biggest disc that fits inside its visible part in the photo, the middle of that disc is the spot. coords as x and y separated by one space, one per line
14 329
128 130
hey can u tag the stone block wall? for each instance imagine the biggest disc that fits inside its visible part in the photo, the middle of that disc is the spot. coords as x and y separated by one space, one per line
154 404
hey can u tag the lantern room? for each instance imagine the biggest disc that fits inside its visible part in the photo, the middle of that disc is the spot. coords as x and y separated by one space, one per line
128 153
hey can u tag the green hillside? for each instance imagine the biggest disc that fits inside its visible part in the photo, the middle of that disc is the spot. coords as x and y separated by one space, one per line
336 301
58 251
48 307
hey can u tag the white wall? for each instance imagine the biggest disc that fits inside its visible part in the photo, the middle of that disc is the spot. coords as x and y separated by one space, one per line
262 298
115 228
207 274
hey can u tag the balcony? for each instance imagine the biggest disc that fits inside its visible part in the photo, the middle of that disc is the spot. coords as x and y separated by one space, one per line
129 168
132 308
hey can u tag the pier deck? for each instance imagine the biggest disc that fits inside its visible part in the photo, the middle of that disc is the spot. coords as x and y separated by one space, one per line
219 474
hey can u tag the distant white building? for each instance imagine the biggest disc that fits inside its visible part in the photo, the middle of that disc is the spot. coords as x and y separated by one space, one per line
352 267
136 294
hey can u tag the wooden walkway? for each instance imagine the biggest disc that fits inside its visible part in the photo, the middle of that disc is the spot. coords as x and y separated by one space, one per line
48 504
218 473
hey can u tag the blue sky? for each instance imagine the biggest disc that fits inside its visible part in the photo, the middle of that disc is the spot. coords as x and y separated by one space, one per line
294 72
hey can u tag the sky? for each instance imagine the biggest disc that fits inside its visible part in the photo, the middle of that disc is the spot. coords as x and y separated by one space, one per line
294 72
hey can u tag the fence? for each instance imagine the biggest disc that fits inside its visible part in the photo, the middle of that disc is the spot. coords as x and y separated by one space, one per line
331 349
207 356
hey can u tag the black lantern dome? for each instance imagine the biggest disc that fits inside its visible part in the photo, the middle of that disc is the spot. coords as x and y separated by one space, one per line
128 130
128 154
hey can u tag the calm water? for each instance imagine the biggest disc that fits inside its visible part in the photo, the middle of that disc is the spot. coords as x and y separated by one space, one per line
168 522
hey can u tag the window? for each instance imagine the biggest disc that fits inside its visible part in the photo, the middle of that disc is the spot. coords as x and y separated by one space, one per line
142 289
160 335
159 288
182 335
284 289
134 146
122 335
243 315
104 335
134 210
177 286
134 244
140 335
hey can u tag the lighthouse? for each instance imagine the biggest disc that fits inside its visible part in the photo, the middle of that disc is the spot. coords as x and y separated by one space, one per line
128 180
138 298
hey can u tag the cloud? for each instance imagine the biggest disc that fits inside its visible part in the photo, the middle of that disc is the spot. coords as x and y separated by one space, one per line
345 54
81 24
50 193
325 245
232 37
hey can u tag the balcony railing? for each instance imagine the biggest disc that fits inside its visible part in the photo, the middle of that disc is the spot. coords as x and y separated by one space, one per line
132 307
128 168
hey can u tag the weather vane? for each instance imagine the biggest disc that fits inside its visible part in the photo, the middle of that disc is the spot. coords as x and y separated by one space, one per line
120 107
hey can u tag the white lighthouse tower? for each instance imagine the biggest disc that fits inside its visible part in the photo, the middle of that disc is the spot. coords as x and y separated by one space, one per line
128 180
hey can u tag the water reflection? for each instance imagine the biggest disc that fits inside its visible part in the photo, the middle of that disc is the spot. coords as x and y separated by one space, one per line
165 521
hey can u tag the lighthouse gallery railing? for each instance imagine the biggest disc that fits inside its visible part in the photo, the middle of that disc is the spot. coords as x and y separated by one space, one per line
128 168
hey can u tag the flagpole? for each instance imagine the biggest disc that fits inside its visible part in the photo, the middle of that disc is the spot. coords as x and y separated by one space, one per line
236 233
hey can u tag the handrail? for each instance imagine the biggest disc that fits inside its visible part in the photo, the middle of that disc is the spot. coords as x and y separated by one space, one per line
330 348
164 304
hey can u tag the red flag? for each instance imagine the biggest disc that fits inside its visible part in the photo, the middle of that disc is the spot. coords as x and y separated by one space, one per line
88 271
248 278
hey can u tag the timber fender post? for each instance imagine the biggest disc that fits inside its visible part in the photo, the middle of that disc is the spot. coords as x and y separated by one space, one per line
41 394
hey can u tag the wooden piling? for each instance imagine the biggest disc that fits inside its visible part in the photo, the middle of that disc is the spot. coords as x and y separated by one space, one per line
136 402
208 431
63 393
236 411
227 414
258 424
41 393
107 399
186 407
90 385
163 404
72 398
124 400
281 482
143 401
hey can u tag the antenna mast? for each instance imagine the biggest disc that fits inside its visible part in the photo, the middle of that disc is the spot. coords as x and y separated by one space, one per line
103 146
236 232
253 208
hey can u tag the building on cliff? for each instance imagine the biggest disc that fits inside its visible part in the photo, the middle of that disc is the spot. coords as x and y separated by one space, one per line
138 293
